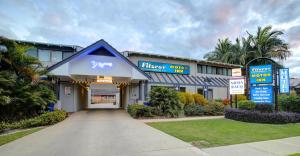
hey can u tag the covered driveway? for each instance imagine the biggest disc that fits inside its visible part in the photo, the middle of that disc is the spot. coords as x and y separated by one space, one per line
101 133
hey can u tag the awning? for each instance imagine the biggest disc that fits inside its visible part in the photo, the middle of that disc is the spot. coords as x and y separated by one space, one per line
179 79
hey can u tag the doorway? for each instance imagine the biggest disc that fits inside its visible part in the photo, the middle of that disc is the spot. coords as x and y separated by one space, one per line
103 96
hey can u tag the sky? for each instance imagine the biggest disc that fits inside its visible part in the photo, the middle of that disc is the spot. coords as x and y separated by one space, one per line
172 27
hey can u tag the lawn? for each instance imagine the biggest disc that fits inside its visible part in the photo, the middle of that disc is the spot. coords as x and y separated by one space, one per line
11 137
219 132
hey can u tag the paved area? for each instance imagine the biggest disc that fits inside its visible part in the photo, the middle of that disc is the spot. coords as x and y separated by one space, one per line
101 133
280 147
182 119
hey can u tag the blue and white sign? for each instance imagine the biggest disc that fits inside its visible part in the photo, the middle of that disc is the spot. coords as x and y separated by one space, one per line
261 94
284 80
261 74
164 67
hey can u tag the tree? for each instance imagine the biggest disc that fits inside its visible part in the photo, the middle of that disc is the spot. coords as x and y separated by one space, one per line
22 93
266 43
222 48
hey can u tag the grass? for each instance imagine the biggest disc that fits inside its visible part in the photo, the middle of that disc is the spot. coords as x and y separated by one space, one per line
219 132
14 136
295 154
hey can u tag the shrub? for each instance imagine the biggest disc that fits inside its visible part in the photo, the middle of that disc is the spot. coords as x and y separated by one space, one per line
260 117
214 108
240 97
246 105
182 97
289 103
137 110
193 110
3 126
225 102
264 107
47 118
167 100
200 99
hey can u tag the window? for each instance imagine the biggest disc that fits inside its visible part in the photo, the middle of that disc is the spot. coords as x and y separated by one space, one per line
56 56
210 94
32 52
200 91
66 55
44 55
225 72
208 70
229 72
204 71
199 68
220 71
213 70
182 89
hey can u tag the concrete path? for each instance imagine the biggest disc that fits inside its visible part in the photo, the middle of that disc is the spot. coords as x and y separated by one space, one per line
182 119
101 133
280 147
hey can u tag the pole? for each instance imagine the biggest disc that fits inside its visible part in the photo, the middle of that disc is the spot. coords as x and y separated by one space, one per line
236 101
276 89
231 101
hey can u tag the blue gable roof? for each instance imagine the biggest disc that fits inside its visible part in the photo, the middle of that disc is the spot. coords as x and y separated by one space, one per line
91 48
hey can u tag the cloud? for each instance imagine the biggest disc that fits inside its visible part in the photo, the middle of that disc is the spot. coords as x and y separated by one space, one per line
187 28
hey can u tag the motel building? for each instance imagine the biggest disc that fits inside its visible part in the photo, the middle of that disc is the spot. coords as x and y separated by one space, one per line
99 76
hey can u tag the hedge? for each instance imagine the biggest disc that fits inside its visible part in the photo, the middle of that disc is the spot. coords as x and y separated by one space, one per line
48 118
262 117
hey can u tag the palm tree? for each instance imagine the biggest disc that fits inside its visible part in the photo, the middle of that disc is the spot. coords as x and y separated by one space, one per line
267 43
223 47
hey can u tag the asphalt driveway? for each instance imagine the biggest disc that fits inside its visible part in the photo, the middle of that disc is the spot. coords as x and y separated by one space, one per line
101 133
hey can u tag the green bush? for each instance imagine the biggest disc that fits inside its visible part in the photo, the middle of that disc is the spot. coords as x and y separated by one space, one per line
289 103
200 99
193 110
48 118
246 105
214 108
3 126
166 100
137 110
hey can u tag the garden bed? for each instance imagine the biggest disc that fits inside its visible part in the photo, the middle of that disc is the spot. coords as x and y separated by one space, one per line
262 117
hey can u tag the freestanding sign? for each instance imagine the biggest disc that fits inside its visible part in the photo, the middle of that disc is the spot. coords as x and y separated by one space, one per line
236 86
284 80
261 74
261 94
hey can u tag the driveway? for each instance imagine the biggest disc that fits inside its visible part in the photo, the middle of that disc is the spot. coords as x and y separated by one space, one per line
101 133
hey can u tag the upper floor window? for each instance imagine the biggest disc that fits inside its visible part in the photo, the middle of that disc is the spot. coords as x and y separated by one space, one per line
204 69
45 55
32 52
56 56
66 55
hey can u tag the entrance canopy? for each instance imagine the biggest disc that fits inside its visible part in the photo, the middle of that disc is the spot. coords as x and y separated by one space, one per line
98 62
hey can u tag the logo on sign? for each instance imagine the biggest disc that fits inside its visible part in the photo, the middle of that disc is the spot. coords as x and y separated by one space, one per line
164 67
261 74
96 64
